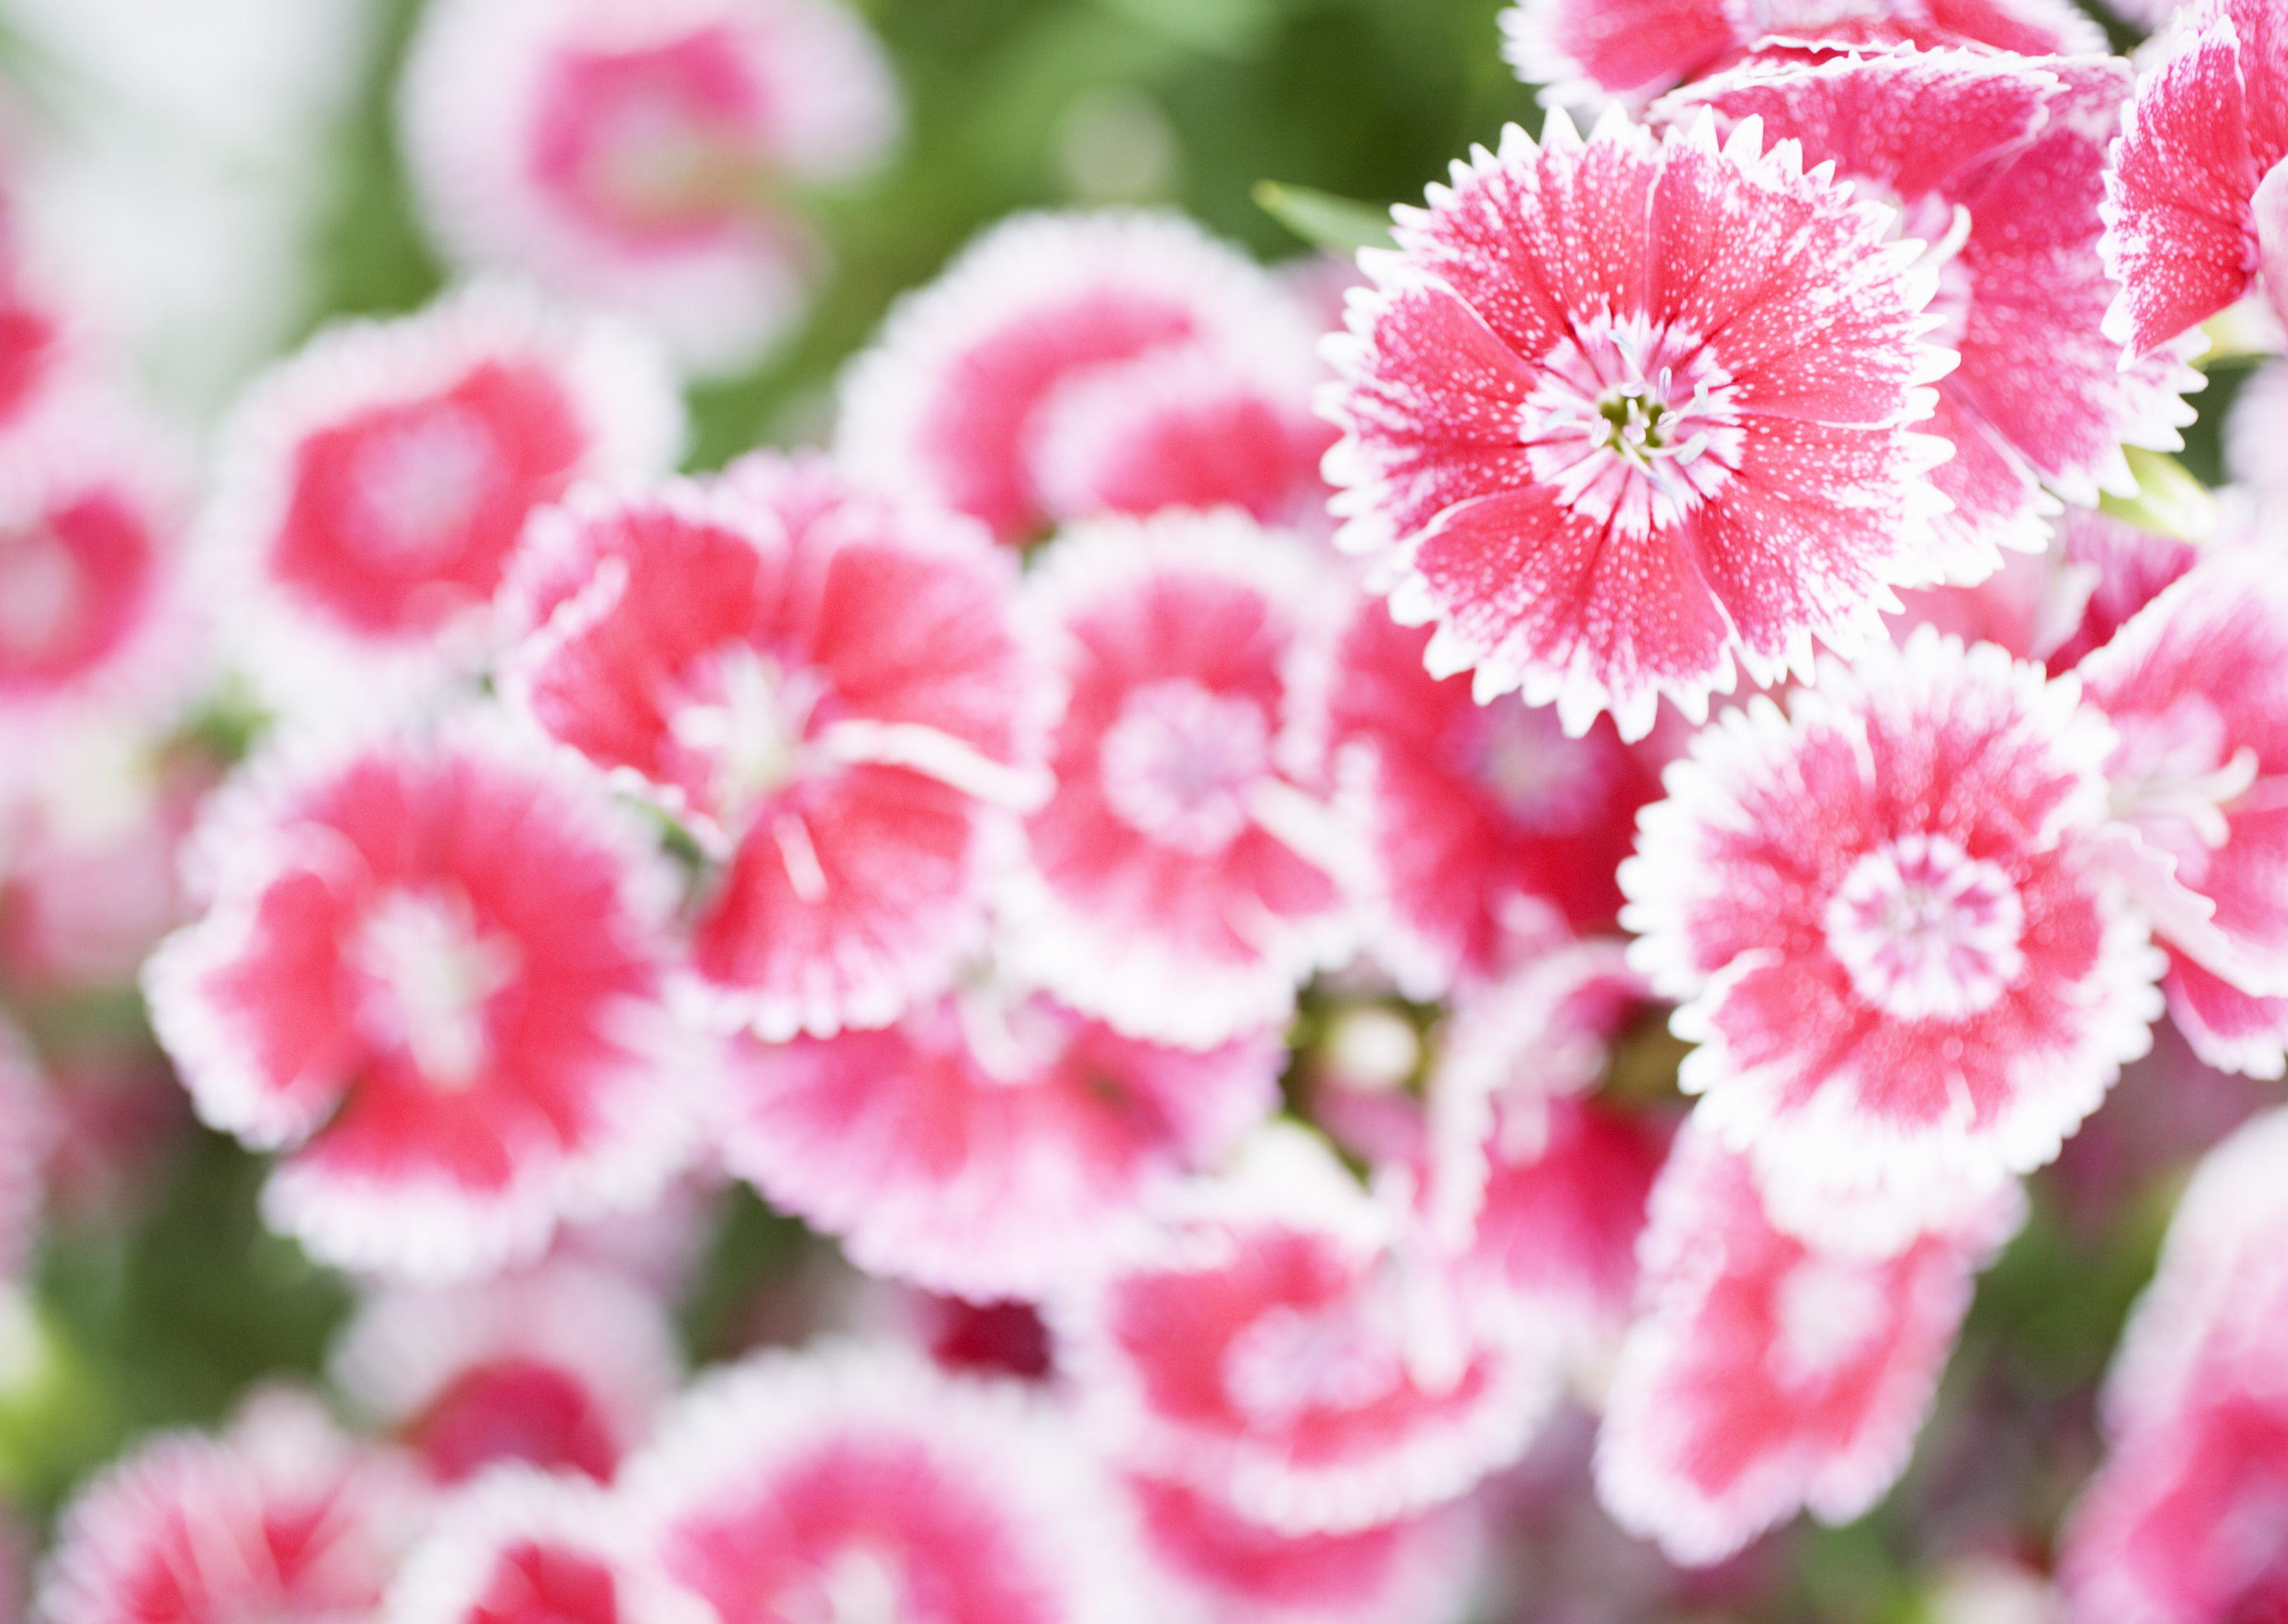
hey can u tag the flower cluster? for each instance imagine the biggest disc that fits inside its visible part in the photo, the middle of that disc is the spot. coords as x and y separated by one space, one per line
1340 946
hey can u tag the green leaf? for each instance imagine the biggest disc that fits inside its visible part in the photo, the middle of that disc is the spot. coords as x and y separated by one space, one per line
1338 225
2169 500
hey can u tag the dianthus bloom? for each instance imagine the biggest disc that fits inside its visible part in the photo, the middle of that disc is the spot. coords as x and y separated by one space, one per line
2197 198
279 1517
1179 884
520 1547
1587 51
856 1483
2187 1523
1998 163
373 488
635 154
989 1143
2197 687
433 972
1766 1373
826 686
1904 969
1631 412
1070 365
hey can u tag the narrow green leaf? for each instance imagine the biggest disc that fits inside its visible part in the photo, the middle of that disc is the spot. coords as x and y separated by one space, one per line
2169 500
1338 225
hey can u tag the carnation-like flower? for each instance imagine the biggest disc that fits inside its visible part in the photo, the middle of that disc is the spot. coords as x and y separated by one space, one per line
520 1547
1586 52
433 973
989 1145
372 489
1631 412
278 1518
561 1366
1997 164
857 1483
2126 569
1765 1374
1070 365
825 686
1283 1345
1487 826
2197 687
2188 1519
1905 971
2197 197
1180 885
638 155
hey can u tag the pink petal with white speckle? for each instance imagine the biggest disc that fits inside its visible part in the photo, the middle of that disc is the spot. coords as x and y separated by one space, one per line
960 399
433 973
1636 413
855 1482
825 685
1766 1375
987 1145
631 155
1180 886
280 1517
1904 968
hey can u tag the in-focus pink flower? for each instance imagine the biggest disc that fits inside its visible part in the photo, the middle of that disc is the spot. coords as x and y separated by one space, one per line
989 1144
1487 826
2197 196
1997 164
372 489
825 686
1180 885
433 973
858 1482
639 156
2187 1522
1070 365
278 1518
1282 1345
1630 413
1767 1374
1905 971
561 1366
1586 52
1216 1567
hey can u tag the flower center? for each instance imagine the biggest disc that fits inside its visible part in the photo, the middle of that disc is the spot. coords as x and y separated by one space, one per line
432 972
1633 423
1826 1314
1926 930
43 597
1178 765
743 719
2172 776
417 487
859 1584
1290 1361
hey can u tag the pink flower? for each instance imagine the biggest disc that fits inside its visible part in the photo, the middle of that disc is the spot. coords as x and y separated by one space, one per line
1905 974
989 1144
2196 200
825 686
1216 1567
562 1367
1070 365
1180 887
1487 826
279 1517
2128 568
635 155
2256 445
1997 164
1630 413
518 1546
432 973
1588 50
2186 1521
2196 685
857 1483
1284 1346
373 488
1765 1374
